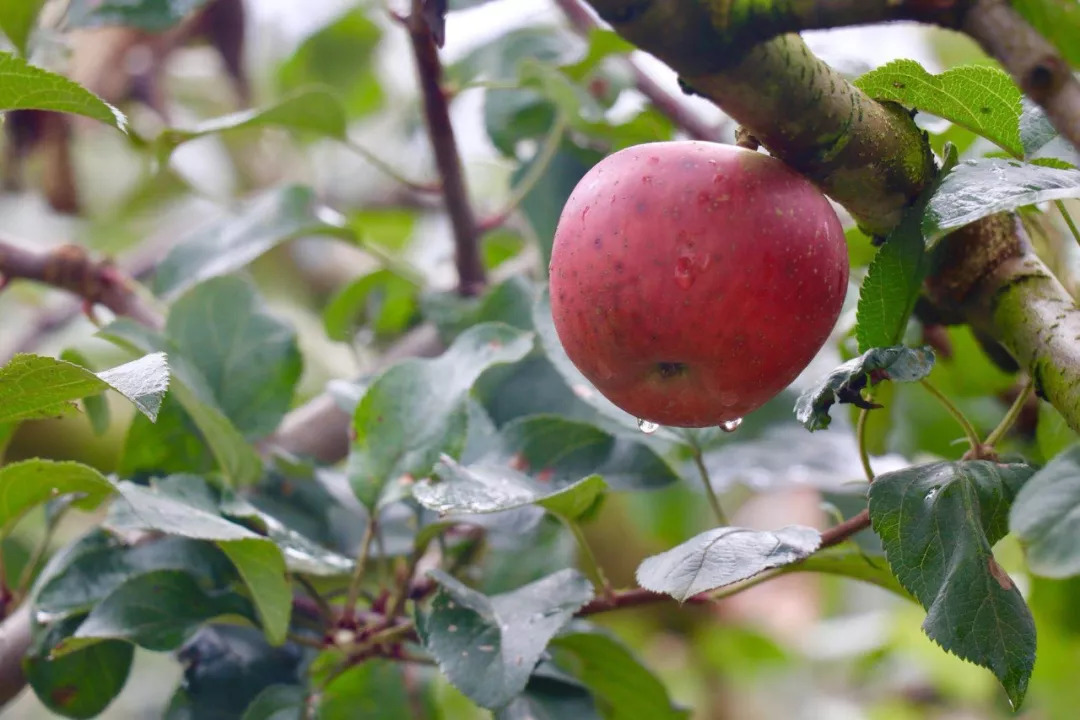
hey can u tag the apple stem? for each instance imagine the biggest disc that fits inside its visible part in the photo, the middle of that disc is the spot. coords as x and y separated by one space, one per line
349 610
961 419
714 501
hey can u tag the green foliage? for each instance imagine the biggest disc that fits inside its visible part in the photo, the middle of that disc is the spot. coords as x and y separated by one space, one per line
1058 20
27 87
846 383
722 557
33 387
982 99
1044 517
976 189
17 20
415 411
488 646
27 484
939 523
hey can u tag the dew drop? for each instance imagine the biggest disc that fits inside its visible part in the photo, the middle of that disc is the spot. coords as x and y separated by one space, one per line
684 272
647 427
932 494
730 426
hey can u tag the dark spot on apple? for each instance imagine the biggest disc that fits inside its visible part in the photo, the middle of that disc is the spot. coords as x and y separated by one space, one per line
670 369
598 243
641 207
619 267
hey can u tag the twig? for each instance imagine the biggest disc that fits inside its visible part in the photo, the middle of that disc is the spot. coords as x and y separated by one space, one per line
349 611
839 533
70 268
536 171
673 107
326 613
447 158
1010 417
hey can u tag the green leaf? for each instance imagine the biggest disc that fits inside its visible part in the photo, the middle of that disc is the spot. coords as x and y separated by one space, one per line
1052 433
257 558
312 111
99 565
550 697
980 98
385 300
150 15
262 568
17 21
249 359
26 87
621 685
339 56
302 555
226 245
938 523
170 445
892 285
158 611
226 667
32 386
850 561
1056 20
975 189
1046 517
278 702
371 691
415 411
845 383
1036 130
238 461
27 484
486 488
722 557
80 684
488 646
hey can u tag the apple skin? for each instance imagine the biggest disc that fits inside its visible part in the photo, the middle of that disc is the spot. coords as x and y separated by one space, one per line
691 282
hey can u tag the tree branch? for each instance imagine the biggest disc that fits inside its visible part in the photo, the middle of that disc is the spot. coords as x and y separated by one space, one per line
70 268
441 132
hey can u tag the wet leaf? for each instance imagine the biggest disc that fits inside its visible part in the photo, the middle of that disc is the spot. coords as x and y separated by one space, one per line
722 557
1046 517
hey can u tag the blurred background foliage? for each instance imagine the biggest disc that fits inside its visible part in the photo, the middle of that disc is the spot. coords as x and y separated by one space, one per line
527 91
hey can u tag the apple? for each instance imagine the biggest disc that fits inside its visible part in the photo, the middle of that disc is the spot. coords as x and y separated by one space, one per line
691 282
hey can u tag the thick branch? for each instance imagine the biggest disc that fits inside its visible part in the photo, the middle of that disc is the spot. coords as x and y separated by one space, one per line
70 268
441 132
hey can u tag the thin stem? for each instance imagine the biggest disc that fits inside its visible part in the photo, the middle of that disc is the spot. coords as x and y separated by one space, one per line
714 501
842 531
389 635
353 595
969 429
27 575
1068 220
1010 417
306 641
588 560
860 436
388 170
536 171
325 611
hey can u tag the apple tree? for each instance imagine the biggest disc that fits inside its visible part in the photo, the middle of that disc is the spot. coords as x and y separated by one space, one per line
374 360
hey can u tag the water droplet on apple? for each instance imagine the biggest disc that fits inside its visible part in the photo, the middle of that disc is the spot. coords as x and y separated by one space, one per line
730 426
684 271
647 427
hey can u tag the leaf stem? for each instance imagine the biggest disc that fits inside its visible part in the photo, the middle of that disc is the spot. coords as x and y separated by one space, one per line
860 436
961 419
349 612
1010 417
27 575
325 611
703 471
541 162
588 560
388 170
1068 220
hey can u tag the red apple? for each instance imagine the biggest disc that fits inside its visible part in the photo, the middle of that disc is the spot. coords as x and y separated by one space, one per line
691 282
